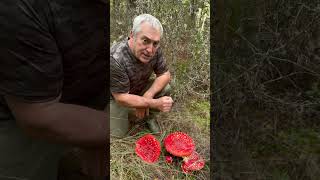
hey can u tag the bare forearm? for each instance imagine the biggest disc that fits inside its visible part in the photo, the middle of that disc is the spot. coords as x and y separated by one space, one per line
62 123
73 124
134 101
145 101
158 84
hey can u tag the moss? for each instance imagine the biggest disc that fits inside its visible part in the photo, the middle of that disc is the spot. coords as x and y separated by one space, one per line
200 112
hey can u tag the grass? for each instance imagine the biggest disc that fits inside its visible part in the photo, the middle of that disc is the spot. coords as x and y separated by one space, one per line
126 165
200 111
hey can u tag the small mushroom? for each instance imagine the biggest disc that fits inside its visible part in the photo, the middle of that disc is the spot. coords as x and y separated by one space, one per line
179 144
192 163
169 159
148 148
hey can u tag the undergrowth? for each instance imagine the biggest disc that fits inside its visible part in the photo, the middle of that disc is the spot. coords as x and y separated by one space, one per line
126 165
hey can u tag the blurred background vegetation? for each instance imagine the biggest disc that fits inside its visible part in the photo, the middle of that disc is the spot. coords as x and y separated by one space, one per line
266 89
185 44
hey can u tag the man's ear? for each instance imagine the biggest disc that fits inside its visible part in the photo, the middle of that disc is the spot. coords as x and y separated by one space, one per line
131 35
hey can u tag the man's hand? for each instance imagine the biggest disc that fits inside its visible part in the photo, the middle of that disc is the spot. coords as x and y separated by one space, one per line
141 112
164 103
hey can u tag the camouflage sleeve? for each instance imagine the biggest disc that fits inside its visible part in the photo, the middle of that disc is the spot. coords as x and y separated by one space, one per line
160 66
119 80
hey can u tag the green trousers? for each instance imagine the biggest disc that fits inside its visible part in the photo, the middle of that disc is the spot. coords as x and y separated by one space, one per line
119 123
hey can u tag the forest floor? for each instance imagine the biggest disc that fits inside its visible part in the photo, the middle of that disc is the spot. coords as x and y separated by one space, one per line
193 119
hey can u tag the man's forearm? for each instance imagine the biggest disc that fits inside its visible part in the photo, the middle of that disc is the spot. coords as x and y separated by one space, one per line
78 125
134 101
158 84
145 101
62 123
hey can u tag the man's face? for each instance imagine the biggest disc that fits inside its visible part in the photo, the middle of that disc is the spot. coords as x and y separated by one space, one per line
145 43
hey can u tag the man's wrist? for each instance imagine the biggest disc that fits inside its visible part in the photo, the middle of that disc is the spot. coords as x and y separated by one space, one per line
152 103
148 95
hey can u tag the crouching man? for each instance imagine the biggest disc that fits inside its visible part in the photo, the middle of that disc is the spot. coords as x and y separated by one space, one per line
132 63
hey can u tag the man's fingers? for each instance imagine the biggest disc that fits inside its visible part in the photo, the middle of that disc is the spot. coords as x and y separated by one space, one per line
141 116
165 103
166 108
168 98
140 113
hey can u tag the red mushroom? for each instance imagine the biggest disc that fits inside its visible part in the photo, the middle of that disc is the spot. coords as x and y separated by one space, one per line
169 159
192 163
148 148
179 144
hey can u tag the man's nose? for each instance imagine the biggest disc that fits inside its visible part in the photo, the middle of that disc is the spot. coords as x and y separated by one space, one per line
150 48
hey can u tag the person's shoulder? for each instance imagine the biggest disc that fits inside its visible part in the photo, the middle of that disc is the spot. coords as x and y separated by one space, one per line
118 47
159 54
118 51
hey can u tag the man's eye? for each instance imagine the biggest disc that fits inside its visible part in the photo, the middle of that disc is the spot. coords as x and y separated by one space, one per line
145 41
155 44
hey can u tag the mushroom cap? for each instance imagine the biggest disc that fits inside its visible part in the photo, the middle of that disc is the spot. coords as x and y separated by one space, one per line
148 148
179 144
192 163
169 159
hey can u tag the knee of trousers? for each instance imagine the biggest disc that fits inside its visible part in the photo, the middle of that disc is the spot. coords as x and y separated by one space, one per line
119 124
166 91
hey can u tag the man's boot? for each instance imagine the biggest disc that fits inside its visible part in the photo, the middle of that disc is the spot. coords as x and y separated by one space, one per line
153 125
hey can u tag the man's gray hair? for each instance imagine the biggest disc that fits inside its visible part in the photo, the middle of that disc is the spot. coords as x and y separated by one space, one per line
153 21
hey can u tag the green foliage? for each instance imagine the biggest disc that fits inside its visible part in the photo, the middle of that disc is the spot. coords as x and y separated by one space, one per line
200 113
